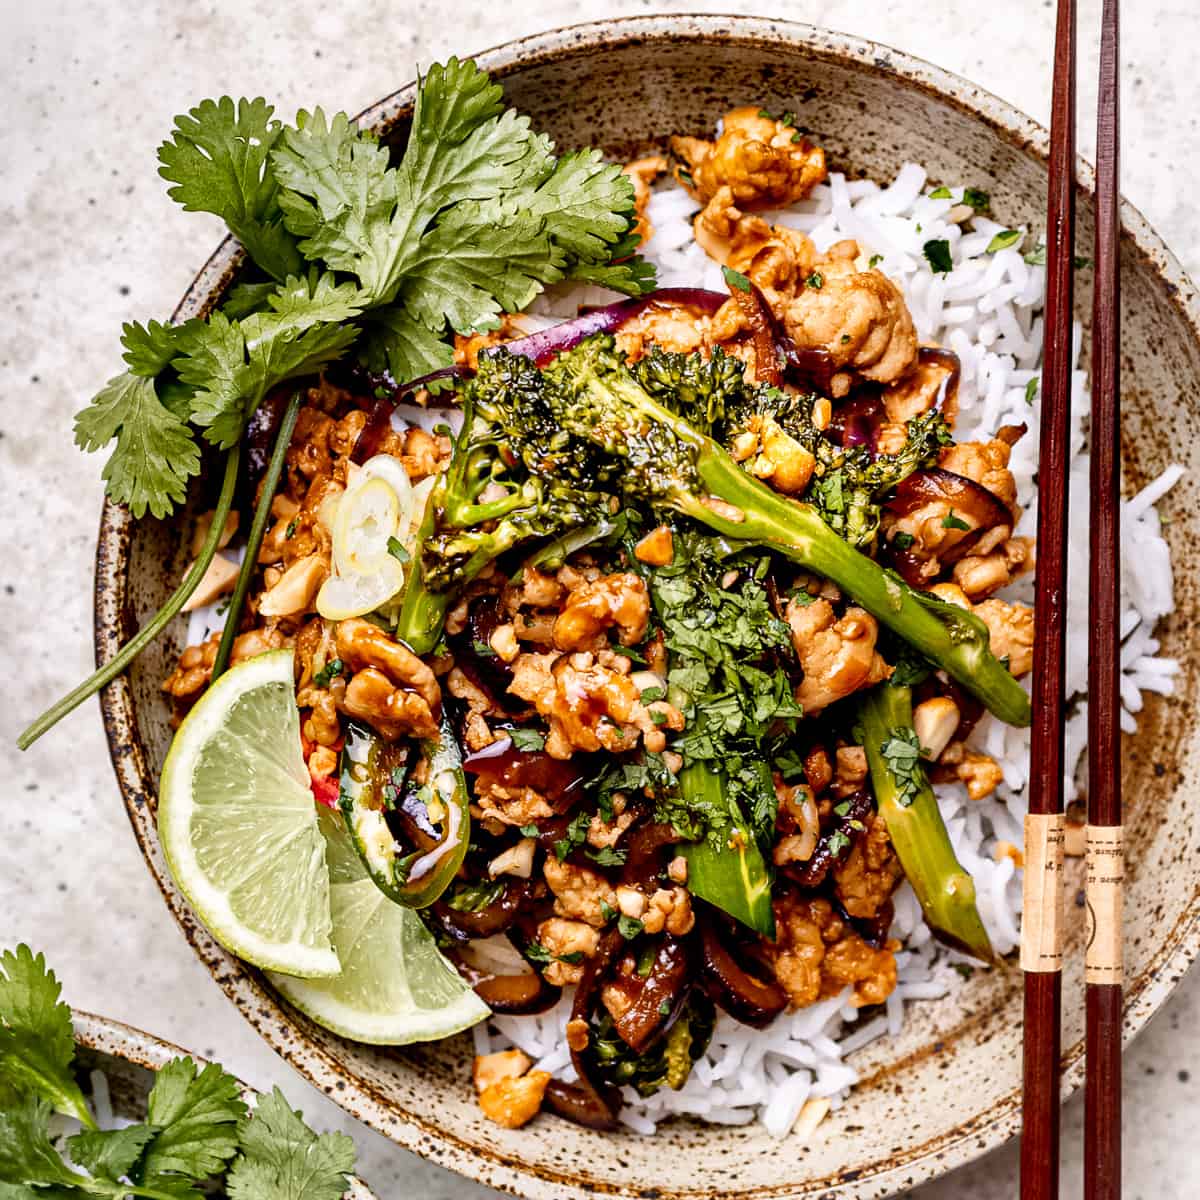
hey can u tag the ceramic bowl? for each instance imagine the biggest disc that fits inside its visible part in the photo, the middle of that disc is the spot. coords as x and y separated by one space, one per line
948 1088
129 1060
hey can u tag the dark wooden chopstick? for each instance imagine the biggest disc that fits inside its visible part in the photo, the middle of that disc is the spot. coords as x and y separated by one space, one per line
1105 860
1041 940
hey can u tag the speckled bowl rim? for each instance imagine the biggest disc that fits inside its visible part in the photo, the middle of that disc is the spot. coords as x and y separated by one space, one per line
115 1039
1179 946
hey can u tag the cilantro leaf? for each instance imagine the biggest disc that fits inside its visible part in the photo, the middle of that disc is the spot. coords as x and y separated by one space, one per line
901 750
941 193
154 457
150 348
27 1155
937 254
1031 389
950 521
735 279
232 365
197 1114
607 856
282 1159
527 739
110 1153
979 201
328 673
217 158
630 927
37 1041
1004 239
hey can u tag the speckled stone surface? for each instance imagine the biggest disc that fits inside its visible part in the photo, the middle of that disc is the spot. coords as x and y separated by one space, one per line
89 239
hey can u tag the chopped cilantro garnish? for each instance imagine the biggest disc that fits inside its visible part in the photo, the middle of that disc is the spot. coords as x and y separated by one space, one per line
902 753
526 739
472 897
482 649
874 261
950 521
576 835
816 281
736 279
1004 239
630 927
530 831
979 201
290 531
328 673
607 856
1031 390
937 254
902 540
942 193
607 911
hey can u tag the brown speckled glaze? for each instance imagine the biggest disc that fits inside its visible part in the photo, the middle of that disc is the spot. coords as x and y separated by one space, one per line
129 1059
947 1088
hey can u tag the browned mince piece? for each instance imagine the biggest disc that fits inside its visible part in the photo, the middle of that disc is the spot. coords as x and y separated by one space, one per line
664 987
495 918
812 874
753 1001
501 764
644 854
937 357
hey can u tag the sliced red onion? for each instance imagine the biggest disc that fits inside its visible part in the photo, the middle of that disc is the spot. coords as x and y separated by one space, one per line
380 418
540 347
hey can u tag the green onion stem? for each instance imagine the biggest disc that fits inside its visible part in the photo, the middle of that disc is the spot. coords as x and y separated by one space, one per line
161 619
258 526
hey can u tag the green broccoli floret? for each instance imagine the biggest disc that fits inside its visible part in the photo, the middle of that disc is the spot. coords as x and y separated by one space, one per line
499 492
657 457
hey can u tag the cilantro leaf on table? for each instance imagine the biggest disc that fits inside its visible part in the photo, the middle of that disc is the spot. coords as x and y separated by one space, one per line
37 1041
217 158
154 456
282 1159
196 1114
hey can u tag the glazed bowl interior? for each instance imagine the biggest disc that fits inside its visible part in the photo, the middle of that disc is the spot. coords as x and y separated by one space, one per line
129 1060
947 1088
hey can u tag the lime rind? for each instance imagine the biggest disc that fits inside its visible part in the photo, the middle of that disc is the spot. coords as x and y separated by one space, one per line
244 845
396 987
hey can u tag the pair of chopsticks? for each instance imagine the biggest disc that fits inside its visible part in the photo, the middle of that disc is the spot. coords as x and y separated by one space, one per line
1041 950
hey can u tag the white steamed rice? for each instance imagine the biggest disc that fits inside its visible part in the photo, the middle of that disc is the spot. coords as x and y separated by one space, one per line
988 311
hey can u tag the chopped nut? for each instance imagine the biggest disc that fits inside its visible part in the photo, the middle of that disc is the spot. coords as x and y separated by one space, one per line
218 579
504 1064
657 548
631 902
935 721
677 869
723 509
1008 850
516 860
577 1034
504 642
203 527
296 589
512 1103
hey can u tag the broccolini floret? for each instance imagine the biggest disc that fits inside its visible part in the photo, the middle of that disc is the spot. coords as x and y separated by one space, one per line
657 457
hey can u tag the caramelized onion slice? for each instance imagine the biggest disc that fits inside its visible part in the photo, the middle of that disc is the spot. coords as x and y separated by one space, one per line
746 998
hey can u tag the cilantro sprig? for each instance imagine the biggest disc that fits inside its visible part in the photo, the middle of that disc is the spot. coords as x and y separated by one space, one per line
197 1127
350 251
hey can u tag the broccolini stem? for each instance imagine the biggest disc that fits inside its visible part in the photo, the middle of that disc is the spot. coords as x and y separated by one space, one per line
918 833
422 611
733 878
951 637
258 527
161 619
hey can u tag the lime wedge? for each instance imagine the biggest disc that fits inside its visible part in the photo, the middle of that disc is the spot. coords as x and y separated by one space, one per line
395 986
238 825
